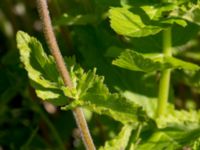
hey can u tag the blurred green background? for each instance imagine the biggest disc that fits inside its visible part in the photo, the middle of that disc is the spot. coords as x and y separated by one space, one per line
82 29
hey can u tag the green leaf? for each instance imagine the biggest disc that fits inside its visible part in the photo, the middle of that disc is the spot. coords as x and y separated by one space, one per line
127 23
189 10
144 20
172 117
196 144
179 118
89 90
120 141
92 93
169 138
41 69
135 61
149 104
159 141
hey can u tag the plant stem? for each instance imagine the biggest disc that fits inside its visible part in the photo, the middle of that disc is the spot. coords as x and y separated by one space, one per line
135 138
30 139
165 75
53 46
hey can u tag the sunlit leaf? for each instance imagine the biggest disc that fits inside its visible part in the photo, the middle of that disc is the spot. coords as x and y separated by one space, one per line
96 97
171 118
144 20
159 141
196 144
41 69
149 104
151 62
89 90
120 141
188 10
181 118
127 23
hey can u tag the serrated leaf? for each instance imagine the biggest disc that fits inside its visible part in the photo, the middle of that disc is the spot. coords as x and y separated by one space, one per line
41 69
172 117
82 82
89 90
135 61
189 10
97 98
120 141
112 105
180 118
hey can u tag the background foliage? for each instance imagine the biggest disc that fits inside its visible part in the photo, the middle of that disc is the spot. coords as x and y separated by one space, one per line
83 29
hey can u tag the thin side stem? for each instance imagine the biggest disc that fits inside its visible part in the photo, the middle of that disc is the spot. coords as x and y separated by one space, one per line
139 129
165 75
52 128
135 138
30 139
62 68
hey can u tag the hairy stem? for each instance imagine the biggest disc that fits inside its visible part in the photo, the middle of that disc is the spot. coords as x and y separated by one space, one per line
165 75
53 46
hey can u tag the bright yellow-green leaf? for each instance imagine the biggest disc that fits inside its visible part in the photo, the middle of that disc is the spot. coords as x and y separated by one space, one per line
127 23
97 98
135 61
41 69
